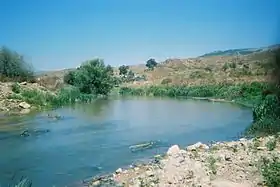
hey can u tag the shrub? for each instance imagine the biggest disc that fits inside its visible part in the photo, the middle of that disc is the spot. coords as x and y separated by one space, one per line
271 172
92 77
13 67
123 70
16 88
232 65
151 64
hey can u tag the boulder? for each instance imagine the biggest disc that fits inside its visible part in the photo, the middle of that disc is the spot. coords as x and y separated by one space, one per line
118 171
24 105
173 150
197 145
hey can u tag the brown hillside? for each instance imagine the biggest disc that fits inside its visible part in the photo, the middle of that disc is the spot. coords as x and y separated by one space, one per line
193 71
208 70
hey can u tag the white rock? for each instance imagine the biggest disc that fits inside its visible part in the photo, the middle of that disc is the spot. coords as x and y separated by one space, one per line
119 170
24 105
23 83
197 145
182 151
25 111
149 173
261 148
173 150
226 183
242 139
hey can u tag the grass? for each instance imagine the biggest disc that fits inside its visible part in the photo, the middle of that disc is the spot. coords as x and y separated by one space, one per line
47 99
266 108
208 70
248 94
212 164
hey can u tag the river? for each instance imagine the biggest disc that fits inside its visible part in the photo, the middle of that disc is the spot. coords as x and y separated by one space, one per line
93 139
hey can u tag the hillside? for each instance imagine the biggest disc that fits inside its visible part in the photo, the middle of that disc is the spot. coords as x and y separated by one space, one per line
209 69
245 51
220 66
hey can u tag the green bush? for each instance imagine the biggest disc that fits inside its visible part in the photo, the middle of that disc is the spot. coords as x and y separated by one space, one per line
92 77
16 88
13 67
271 172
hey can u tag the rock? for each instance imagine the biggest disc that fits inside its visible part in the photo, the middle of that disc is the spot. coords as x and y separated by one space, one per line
183 152
227 157
149 173
173 150
25 133
24 105
25 111
197 145
226 183
95 183
23 83
118 170
260 148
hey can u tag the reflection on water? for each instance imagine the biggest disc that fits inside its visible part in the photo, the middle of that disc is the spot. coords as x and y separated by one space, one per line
92 139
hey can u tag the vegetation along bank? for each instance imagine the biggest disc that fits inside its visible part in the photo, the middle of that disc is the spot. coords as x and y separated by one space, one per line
246 83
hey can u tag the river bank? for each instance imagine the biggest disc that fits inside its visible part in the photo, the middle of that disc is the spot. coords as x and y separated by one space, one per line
23 98
243 163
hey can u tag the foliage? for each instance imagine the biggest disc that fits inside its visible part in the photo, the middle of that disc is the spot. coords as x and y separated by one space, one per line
265 108
123 70
248 94
92 77
151 64
13 67
271 172
16 88
46 99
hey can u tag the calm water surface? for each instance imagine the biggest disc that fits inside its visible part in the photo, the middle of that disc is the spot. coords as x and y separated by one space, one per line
95 138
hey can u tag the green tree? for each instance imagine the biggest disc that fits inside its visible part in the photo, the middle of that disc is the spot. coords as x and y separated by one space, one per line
14 67
92 77
151 64
130 76
123 70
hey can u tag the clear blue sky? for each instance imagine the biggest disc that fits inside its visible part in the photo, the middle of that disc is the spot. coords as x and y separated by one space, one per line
55 34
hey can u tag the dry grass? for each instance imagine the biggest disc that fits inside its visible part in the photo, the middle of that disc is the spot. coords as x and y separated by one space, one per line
208 70
193 71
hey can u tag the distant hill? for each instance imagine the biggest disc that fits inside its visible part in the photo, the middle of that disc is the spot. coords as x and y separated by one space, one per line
244 51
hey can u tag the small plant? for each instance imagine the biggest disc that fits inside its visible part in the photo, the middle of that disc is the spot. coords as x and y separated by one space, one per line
232 65
212 164
256 143
271 144
16 88
208 68
235 149
225 67
166 81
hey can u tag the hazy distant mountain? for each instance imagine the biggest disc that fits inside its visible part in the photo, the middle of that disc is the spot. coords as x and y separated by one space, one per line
245 51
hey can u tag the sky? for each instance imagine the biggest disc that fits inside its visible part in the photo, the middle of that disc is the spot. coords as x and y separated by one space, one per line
57 34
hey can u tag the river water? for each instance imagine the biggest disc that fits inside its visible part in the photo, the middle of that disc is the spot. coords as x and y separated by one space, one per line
93 139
